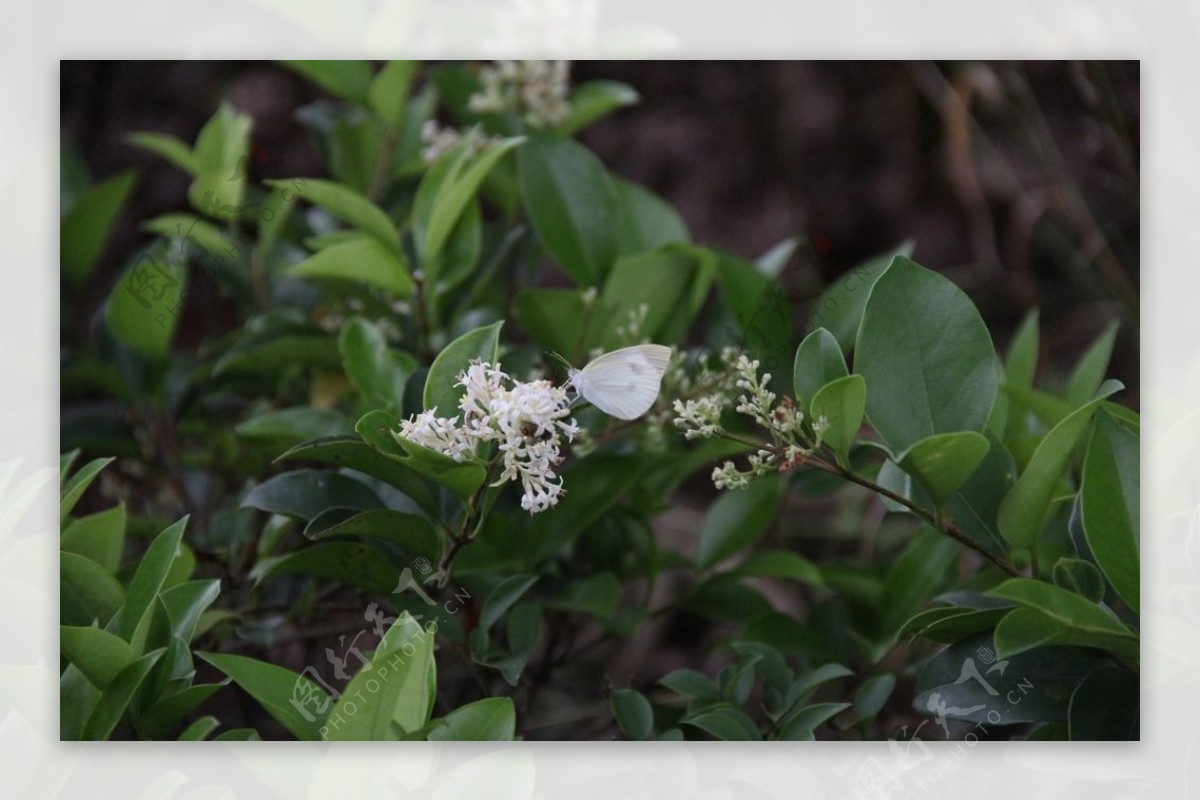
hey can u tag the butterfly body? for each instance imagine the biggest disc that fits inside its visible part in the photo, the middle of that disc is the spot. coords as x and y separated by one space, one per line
624 383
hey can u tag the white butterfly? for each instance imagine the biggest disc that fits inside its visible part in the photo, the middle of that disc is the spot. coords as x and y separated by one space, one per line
625 382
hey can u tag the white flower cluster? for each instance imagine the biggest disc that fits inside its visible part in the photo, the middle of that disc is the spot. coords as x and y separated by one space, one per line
526 418
700 417
438 139
536 90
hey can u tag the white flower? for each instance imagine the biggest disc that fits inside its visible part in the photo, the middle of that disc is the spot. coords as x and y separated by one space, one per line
727 477
440 434
536 90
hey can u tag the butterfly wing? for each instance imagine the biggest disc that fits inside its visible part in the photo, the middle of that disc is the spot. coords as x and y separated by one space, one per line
625 382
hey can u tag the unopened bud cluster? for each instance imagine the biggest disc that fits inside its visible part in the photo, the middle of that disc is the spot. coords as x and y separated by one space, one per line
537 91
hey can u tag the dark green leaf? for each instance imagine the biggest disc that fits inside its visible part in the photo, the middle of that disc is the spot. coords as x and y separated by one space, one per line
99 537
353 452
725 723
634 714
348 562
115 699
819 360
1090 370
440 390
86 226
146 583
1111 506
943 463
73 490
87 592
287 696
1080 577
840 306
412 532
305 494
1105 706
781 564
502 597
737 520
372 367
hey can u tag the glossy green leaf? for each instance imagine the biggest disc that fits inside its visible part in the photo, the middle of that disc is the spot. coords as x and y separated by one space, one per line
1028 628
690 683
348 562
347 205
943 463
73 490
1062 605
1080 577
1110 502
116 697
362 259
949 624
354 453
86 226
594 100
633 714
304 494
573 204
926 355
1024 508
560 320
1089 372
87 591
440 390
737 520
299 704
372 367
485 719
841 403
413 533
99 655
403 675
238 735
99 537
147 582
348 79
186 602
819 360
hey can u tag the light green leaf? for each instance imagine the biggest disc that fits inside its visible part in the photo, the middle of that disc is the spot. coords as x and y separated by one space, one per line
926 355
169 147
134 617
200 729
440 390
299 704
388 92
1020 365
841 403
100 656
943 463
146 303
73 490
347 205
647 221
362 259
1111 506
1024 508
594 100
485 719
1025 629
840 306
1064 614
372 367
86 591
1089 372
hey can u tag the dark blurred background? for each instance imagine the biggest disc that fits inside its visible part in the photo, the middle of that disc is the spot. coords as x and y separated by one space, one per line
1018 180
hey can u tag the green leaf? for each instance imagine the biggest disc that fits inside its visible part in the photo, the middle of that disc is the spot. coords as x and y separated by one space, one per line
440 390
1080 577
840 306
595 595
800 724
347 205
461 478
169 147
485 719
372 367
348 79
594 100
638 282
348 562
354 453
737 520
1105 706
145 305
77 697
560 320
73 490
304 494
725 723
819 360
185 603
501 599
1111 506
238 735
388 92
976 504
1025 507
1021 362
86 591
573 204
413 533
926 355
647 221
781 564
147 582
290 426
1065 607
99 537
633 713
222 141
949 624
920 570
841 403
285 695
1089 372
166 712
86 226
362 259
100 656
116 697
447 189
403 675
763 314
943 463
200 729
1025 629
872 695
689 683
